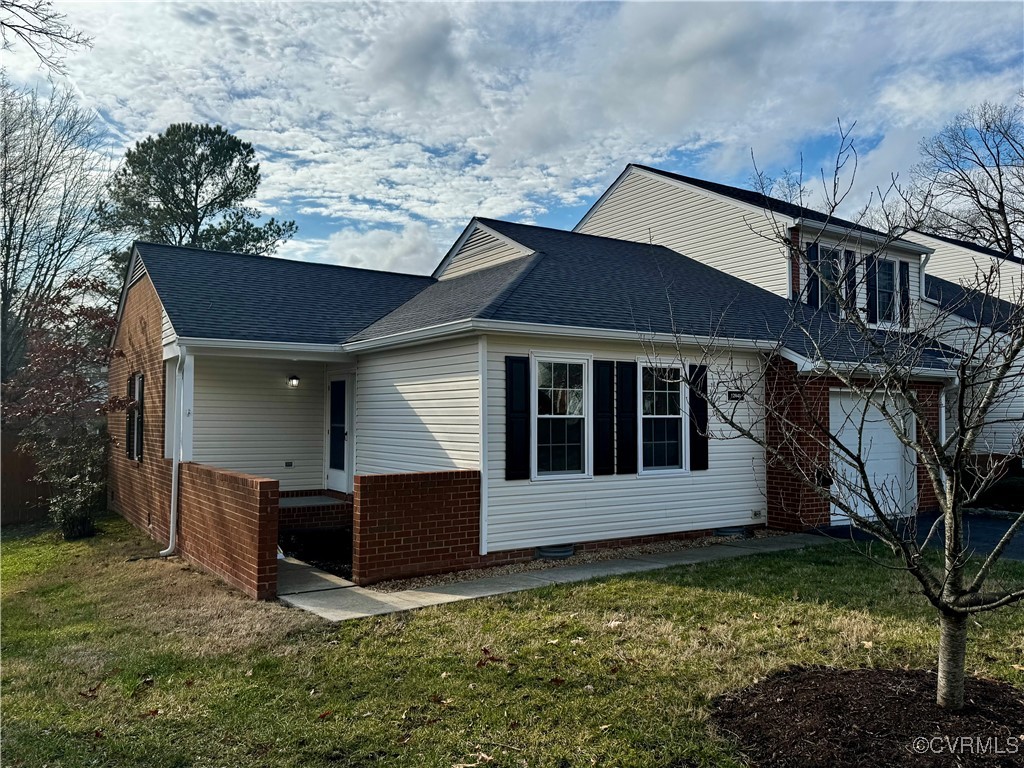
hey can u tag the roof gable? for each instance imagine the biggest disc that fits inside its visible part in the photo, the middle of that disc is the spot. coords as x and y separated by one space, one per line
478 247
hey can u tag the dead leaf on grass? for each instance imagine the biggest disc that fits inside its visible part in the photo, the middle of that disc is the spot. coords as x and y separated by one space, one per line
327 713
91 693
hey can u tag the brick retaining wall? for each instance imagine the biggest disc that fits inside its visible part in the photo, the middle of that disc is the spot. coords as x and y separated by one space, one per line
227 525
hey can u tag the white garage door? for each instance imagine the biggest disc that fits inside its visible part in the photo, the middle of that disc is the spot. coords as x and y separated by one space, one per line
888 462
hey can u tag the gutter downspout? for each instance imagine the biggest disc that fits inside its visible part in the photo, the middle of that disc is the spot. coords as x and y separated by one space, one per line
179 420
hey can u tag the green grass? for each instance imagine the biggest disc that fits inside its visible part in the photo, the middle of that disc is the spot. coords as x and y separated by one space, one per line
117 661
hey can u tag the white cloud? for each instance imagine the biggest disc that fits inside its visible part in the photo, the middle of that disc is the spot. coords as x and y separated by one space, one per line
414 248
383 117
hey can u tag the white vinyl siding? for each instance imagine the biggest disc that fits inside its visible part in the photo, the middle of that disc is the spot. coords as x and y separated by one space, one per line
715 231
418 409
248 419
481 250
1006 419
962 265
167 334
525 513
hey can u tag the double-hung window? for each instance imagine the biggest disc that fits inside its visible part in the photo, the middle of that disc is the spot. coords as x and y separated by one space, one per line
561 407
831 270
662 426
887 292
133 418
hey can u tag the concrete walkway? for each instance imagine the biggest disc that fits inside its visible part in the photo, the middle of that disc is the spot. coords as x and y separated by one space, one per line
336 599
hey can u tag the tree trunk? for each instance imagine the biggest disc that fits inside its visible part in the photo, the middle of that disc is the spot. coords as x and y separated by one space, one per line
952 653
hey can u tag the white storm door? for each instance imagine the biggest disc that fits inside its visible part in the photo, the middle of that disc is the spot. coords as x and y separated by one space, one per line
338 454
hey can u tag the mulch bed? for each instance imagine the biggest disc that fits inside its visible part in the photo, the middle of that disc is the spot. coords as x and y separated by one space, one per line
872 718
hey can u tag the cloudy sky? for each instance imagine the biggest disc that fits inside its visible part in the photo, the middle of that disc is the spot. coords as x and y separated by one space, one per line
383 128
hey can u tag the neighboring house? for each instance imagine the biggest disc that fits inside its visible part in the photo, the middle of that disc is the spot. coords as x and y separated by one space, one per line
769 243
760 239
522 396
965 263
980 326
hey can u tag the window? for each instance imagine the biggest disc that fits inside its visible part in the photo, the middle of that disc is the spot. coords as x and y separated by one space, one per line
661 418
831 283
561 416
886 291
133 419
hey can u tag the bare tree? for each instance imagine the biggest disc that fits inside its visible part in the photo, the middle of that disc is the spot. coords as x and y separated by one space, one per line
970 182
51 177
942 376
42 28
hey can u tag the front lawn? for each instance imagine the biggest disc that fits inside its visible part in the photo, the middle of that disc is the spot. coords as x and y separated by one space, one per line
113 660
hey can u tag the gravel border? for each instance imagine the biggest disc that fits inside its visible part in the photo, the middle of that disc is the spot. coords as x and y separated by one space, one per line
589 556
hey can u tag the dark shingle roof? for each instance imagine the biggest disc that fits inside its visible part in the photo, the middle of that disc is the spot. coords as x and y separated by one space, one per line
594 282
220 295
597 282
969 304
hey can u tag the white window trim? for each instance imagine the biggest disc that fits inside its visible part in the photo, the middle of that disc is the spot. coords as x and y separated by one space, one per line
137 413
893 324
684 414
826 252
588 421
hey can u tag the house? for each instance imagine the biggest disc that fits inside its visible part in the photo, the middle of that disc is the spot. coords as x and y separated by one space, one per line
913 282
529 393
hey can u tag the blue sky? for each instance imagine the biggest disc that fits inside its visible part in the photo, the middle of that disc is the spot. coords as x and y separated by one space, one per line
383 128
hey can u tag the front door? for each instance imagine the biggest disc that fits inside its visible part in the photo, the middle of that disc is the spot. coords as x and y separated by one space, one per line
337 448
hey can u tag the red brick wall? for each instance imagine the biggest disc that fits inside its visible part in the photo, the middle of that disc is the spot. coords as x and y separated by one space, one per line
804 401
140 491
227 524
416 524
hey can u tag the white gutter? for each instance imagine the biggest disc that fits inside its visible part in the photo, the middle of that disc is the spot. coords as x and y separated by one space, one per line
806 365
176 450
463 327
818 228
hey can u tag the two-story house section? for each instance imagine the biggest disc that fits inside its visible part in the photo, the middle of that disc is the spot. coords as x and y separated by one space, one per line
763 240
965 263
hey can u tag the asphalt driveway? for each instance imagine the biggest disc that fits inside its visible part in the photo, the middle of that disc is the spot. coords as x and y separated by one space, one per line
982 534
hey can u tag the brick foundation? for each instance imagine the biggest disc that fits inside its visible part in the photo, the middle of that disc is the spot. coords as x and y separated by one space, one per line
803 401
424 523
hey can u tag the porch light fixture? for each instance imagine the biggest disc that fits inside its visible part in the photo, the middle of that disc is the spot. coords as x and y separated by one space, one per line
293 382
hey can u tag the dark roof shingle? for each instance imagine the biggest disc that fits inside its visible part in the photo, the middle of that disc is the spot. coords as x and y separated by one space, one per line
220 295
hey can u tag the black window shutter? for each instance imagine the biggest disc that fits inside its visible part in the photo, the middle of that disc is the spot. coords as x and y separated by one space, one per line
604 417
517 418
813 284
139 440
871 280
698 417
850 279
905 294
625 421
129 421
